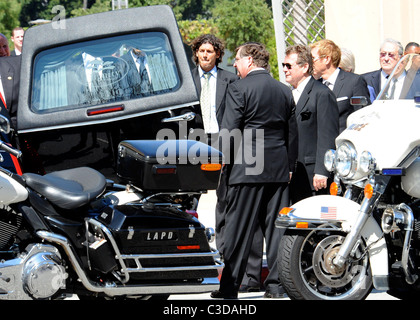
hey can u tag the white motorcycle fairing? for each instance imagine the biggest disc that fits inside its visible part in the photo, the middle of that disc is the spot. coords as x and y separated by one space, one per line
11 190
337 213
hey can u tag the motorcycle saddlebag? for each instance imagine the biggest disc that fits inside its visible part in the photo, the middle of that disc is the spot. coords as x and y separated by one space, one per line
169 165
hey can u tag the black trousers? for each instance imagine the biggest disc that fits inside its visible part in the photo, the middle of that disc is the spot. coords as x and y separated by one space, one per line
249 207
253 270
252 275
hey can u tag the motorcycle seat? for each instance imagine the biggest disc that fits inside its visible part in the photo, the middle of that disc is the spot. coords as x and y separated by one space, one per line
68 189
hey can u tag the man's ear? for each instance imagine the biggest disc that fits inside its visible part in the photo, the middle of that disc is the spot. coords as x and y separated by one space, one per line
327 59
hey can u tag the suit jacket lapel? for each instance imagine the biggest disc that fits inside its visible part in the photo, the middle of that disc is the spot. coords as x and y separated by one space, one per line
304 97
196 78
377 82
338 85
7 82
221 86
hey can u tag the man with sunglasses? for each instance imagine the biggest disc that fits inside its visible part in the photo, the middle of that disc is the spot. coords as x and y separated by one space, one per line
317 120
390 53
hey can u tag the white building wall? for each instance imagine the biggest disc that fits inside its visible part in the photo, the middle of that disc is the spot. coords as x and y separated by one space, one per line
362 25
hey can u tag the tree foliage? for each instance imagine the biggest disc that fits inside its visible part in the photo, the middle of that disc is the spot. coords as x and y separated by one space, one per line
244 21
191 29
98 6
9 17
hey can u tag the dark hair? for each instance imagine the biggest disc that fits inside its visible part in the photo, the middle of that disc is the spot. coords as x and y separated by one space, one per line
257 51
411 44
303 55
217 44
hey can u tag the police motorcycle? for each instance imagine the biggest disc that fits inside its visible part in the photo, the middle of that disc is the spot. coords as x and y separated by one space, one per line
365 234
72 232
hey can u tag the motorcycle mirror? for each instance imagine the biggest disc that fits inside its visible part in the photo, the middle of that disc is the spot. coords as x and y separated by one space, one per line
359 101
4 124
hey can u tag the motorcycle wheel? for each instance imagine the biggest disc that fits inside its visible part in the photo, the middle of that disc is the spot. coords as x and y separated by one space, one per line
307 273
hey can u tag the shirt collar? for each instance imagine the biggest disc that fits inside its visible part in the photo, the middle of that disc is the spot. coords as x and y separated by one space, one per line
212 71
333 78
303 84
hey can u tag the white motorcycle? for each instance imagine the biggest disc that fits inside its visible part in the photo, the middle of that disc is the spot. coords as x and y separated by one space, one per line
366 233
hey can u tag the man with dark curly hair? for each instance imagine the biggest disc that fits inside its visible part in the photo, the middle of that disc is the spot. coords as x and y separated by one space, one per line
208 52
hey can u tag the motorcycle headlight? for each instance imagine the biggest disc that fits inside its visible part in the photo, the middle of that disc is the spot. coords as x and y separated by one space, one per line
346 163
366 162
329 159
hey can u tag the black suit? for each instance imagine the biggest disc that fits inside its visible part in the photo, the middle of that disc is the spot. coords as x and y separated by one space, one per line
13 53
373 79
10 78
256 191
346 86
317 119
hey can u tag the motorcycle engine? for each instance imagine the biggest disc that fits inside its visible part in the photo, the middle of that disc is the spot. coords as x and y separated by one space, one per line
10 224
38 273
43 275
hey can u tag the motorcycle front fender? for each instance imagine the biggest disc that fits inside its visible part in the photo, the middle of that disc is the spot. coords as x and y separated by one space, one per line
339 214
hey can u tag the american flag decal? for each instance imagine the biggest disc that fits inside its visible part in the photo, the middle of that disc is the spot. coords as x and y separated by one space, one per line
328 212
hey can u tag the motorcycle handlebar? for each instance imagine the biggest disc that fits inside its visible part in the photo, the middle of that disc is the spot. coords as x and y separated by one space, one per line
10 150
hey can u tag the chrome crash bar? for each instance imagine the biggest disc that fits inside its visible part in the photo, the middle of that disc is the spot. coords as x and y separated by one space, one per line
114 289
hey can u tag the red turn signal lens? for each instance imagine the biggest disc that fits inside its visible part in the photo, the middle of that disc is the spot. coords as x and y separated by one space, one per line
162 169
188 247
97 111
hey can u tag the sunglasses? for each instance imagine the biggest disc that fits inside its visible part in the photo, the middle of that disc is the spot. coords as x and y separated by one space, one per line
287 65
389 54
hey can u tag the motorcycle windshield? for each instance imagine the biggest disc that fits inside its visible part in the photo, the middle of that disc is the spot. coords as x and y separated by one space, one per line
388 128
404 81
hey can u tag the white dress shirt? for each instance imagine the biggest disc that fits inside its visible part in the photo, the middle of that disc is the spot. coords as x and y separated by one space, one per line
297 92
214 126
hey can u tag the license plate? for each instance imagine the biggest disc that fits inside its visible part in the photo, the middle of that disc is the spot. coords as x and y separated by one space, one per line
160 236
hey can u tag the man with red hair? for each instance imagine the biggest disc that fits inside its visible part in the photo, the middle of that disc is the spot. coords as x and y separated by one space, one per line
326 57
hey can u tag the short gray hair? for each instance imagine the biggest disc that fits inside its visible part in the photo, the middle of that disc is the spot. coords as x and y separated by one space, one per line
395 43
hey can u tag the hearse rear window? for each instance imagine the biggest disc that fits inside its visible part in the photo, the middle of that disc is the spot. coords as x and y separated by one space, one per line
103 71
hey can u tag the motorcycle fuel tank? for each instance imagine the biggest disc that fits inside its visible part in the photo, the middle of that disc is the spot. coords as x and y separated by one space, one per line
11 190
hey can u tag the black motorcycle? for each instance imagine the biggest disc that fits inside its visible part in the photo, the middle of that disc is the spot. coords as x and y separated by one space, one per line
75 232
